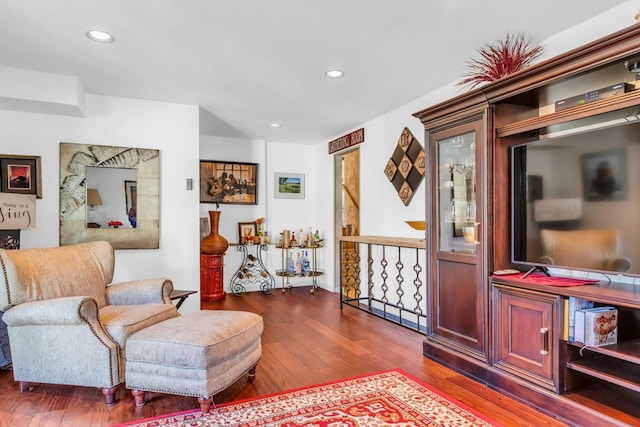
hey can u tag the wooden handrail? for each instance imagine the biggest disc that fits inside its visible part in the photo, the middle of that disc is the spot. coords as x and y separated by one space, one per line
405 242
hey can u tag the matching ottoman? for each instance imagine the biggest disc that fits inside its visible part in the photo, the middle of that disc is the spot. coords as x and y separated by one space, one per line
198 354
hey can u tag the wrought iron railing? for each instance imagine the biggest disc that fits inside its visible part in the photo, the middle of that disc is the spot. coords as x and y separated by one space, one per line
395 278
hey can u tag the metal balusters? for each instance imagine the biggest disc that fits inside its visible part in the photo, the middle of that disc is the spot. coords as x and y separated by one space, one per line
350 271
387 298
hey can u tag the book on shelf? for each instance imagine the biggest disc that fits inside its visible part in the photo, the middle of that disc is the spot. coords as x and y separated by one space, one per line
575 304
565 321
596 326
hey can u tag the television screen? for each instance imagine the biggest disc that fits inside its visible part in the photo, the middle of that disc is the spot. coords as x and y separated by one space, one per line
576 201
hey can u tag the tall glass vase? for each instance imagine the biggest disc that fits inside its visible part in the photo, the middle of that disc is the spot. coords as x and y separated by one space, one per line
214 243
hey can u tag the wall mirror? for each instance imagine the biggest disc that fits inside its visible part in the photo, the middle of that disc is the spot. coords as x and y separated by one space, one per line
109 193
109 203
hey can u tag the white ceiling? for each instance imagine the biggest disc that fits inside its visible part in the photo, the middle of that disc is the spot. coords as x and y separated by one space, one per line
252 62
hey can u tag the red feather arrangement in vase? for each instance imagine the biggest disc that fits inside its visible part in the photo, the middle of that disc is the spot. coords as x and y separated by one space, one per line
498 60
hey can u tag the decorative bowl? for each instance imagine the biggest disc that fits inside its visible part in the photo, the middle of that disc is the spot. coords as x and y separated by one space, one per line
417 225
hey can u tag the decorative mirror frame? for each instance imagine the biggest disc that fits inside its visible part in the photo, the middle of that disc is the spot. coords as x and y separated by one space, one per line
74 159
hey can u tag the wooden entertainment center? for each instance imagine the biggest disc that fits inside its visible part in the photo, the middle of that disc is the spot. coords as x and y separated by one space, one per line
503 332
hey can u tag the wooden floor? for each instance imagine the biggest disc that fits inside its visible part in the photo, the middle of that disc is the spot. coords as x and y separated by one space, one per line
307 340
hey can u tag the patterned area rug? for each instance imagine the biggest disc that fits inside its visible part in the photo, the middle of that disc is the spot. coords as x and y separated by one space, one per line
390 398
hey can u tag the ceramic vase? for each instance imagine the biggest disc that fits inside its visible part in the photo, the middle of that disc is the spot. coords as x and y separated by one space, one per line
214 243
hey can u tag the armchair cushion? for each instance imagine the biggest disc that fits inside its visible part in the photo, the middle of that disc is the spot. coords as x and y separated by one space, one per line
122 321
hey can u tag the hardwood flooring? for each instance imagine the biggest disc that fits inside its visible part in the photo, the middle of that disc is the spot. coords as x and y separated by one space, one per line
307 340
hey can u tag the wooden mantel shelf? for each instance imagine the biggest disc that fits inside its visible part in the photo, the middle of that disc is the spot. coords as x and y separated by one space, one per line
630 99
405 242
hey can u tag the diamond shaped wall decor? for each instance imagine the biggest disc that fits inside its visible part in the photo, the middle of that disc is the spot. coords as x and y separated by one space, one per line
405 169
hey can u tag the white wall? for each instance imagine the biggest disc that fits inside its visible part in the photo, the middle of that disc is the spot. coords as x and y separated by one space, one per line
171 128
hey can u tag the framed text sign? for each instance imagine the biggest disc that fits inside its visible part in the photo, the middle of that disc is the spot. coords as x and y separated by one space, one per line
17 211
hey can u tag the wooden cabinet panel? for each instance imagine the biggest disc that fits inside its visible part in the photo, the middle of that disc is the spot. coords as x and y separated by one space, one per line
457 286
456 308
526 335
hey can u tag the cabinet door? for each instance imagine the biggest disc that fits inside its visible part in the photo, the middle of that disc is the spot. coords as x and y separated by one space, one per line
526 338
457 285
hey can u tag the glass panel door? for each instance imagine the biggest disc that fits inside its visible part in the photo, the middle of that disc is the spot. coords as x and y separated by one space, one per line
457 193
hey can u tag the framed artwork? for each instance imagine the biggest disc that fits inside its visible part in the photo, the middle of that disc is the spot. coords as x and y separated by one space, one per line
21 175
246 230
604 175
289 185
131 199
130 194
231 183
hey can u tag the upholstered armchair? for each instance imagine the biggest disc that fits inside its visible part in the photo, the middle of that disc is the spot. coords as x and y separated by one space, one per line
593 249
67 323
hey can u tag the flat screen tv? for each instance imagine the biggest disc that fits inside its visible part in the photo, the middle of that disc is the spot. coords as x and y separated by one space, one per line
575 201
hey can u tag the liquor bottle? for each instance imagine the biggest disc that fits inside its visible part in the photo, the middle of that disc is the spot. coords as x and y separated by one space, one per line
306 265
293 243
291 267
298 269
309 239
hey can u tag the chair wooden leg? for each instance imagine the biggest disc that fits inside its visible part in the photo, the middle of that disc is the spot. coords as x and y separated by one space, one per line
138 397
24 386
110 395
205 404
252 372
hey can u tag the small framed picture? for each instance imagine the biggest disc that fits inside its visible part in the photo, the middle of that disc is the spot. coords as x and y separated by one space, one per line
20 175
247 232
289 185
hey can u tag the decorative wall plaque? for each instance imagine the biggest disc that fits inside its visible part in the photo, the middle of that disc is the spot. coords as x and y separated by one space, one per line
405 169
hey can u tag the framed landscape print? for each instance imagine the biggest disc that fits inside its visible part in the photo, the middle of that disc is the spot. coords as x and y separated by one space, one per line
289 186
20 175
228 182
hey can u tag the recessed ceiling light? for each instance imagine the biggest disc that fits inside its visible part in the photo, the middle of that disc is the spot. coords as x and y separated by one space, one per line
334 74
275 125
99 36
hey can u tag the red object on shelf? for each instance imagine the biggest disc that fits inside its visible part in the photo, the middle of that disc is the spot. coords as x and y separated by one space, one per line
211 277
543 279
